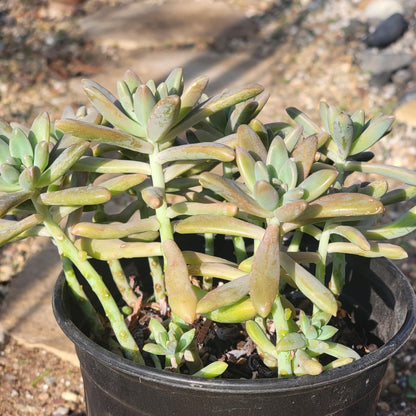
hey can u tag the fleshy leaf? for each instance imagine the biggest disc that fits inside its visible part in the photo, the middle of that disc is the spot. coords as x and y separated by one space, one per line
265 271
304 155
83 195
102 134
219 225
309 285
224 295
182 298
260 339
232 193
110 111
317 183
372 134
198 151
301 118
249 140
162 117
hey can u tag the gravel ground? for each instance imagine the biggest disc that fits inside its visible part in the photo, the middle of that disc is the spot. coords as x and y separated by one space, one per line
316 56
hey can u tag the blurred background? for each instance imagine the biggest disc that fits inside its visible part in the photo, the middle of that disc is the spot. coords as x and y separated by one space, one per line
350 53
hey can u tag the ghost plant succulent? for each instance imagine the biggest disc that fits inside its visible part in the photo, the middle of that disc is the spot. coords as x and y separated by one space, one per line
184 164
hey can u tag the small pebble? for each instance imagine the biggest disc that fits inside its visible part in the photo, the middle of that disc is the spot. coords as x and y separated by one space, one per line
44 397
384 406
70 396
395 389
61 411
14 393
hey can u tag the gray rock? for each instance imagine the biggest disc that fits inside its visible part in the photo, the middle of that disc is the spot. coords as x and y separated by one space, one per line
382 9
388 31
380 79
402 77
376 63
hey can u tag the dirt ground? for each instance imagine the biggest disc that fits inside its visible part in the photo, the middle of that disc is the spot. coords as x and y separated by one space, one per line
39 54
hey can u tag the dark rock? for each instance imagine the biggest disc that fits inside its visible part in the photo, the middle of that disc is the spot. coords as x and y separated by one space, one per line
388 31
380 80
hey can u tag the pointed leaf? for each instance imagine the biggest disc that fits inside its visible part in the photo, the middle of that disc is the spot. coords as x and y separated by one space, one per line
181 296
238 312
245 163
256 333
117 249
102 134
104 165
342 205
407 176
288 173
304 155
343 128
301 118
212 370
40 130
144 101
400 227
219 225
41 155
198 151
196 208
351 234
213 269
290 211
292 341
232 193
82 195
126 98
293 137
20 145
266 195
390 251
317 183
162 117
62 163
358 119
250 141
265 271
372 134
18 227
110 111
309 285
225 295
192 95
9 201
174 82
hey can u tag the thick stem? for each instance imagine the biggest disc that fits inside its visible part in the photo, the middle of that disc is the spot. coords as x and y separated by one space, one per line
88 310
166 232
67 249
122 283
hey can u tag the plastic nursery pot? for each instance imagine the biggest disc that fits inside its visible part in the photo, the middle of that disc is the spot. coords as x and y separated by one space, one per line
377 295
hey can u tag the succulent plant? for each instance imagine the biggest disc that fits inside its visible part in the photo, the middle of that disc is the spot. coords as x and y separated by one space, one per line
183 163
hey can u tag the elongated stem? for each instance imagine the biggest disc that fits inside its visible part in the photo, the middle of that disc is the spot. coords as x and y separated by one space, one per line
157 277
94 323
122 283
67 249
239 248
295 242
209 249
166 232
284 359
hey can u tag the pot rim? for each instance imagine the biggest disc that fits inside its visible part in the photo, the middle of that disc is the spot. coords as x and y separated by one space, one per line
184 381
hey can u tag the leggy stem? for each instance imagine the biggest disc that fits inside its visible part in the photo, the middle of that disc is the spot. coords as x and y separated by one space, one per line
67 249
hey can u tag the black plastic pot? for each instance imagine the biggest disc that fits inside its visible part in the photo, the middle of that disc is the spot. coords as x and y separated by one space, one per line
378 297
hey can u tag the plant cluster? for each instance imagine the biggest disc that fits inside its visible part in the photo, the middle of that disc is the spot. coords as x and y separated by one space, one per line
186 164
